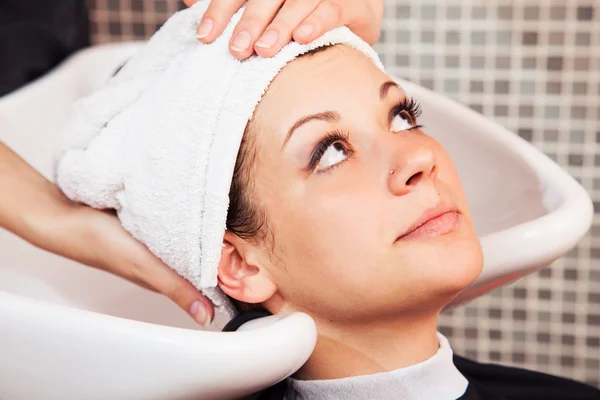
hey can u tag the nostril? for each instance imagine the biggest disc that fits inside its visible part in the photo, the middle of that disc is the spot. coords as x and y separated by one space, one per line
413 180
434 171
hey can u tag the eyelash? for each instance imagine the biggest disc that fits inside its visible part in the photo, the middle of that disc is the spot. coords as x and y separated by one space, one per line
410 106
329 139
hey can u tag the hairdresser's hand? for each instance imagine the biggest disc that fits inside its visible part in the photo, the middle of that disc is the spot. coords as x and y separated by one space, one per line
267 26
37 211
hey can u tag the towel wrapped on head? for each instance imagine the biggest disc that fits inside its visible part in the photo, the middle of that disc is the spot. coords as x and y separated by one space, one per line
159 142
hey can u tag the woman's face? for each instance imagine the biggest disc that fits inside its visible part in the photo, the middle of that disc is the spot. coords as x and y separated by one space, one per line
341 190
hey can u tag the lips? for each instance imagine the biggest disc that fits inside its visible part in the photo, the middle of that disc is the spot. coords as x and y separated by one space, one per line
435 221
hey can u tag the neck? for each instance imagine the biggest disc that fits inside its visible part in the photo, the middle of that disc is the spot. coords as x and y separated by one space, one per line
351 350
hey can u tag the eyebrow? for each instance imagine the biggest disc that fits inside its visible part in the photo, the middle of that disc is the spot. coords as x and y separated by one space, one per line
385 87
332 116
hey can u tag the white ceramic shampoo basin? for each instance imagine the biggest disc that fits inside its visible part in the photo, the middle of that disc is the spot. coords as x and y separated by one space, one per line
71 332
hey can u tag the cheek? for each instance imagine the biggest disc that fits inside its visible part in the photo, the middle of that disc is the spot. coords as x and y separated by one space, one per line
331 240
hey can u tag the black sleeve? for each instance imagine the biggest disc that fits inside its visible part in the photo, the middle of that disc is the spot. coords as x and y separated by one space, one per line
489 381
36 35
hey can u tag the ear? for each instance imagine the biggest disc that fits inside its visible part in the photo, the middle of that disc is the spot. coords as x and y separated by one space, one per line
240 278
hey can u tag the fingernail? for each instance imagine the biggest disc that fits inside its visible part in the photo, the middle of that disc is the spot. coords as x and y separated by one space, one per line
198 311
305 29
205 28
268 39
241 41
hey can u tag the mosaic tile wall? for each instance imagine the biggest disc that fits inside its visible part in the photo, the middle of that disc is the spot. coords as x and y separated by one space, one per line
533 66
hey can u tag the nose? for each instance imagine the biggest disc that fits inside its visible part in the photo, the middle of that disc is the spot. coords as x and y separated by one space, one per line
413 165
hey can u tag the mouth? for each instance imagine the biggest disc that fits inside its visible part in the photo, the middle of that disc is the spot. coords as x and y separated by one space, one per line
437 221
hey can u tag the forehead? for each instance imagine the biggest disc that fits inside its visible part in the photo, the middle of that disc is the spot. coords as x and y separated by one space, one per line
335 78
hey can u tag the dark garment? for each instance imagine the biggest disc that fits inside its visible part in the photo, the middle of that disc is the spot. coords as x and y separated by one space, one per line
497 382
36 35
486 381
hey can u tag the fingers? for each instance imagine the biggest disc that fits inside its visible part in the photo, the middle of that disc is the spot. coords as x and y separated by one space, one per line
268 25
156 275
278 33
333 13
256 17
96 238
216 18
189 3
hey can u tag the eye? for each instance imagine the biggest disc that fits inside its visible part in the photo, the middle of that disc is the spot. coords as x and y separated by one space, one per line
404 115
334 154
332 150
401 122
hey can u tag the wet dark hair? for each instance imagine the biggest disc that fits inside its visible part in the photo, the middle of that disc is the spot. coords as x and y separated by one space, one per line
245 217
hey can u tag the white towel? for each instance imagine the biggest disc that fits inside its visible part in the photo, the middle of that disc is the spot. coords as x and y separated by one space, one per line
159 142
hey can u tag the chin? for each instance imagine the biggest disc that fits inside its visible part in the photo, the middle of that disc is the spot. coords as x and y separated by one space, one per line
464 262
451 262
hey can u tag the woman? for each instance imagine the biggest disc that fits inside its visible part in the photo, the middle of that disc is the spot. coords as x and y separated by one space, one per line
357 217
340 206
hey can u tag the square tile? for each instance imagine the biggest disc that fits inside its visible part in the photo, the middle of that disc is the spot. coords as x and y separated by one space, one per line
402 60
477 62
585 13
452 61
113 5
552 112
139 30
478 38
495 334
427 37
453 37
526 110
453 12
550 135
527 87
502 62
583 39
114 28
581 63
554 63
451 85
478 12
553 87
476 86
427 61
558 13
137 5
501 110
477 108
161 6
556 38
505 12
578 112
503 38
428 12
428 83
531 13
530 38
577 136
402 37
403 11
528 63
